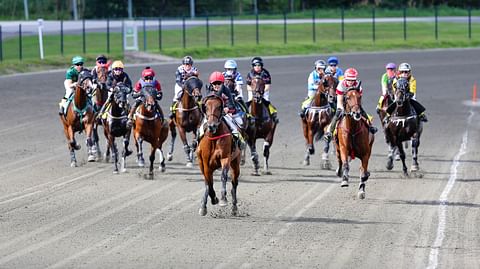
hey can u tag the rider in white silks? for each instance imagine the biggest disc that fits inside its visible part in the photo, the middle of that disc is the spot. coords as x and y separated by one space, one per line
217 87
183 72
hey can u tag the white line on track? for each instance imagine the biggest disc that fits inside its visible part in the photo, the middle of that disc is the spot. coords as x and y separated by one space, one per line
248 245
145 220
442 208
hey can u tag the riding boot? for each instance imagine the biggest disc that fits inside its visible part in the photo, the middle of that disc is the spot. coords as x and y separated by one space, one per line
371 128
173 107
302 112
239 138
273 112
61 105
331 128
159 109
419 109
132 111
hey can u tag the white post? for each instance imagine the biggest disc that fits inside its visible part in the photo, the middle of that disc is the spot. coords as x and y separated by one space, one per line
130 12
40 37
75 13
192 9
25 6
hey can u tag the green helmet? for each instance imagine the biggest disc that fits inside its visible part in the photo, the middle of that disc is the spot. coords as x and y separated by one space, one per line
77 59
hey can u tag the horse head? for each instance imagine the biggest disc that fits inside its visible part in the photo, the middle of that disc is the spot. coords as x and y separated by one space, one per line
353 105
149 101
330 84
401 90
214 112
258 88
192 87
85 80
120 95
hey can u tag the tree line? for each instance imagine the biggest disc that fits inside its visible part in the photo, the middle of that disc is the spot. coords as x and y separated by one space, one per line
94 9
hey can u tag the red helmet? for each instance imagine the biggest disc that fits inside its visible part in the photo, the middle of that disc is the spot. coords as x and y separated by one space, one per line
351 74
216 76
148 72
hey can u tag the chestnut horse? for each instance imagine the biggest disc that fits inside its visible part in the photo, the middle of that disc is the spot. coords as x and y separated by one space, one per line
404 125
217 150
115 125
353 140
264 126
188 118
79 116
317 117
149 126
99 96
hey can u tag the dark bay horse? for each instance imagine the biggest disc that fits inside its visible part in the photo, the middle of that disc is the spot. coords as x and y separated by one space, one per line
99 96
403 125
115 125
149 126
79 116
264 126
317 117
217 150
188 118
353 140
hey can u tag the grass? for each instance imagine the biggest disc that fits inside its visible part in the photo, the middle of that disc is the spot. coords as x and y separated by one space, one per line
357 37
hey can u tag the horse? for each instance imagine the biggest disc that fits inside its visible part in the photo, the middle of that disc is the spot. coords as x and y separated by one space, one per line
149 126
99 96
188 118
404 125
115 125
264 126
353 140
217 150
317 117
79 116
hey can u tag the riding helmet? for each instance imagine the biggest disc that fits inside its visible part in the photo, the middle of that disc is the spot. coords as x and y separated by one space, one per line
351 74
230 64
118 64
187 60
332 60
320 64
216 76
391 66
148 72
77 60
257 60
404 67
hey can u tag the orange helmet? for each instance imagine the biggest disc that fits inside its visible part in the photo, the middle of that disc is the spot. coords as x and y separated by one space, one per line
351 74
216 76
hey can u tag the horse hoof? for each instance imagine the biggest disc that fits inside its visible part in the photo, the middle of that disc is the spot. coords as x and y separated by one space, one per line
414 168
115 172
189 164
162 169
234 210
141 164
170 158
255 174
150 176
306 163
361 195
202 211
223 202
327 165
338 172
91 158
267 173
215 201
73 164
124 170
242 162
389 165
397 157
344 183
77 147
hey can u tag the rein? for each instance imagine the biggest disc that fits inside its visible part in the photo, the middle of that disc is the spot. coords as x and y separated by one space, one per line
218 136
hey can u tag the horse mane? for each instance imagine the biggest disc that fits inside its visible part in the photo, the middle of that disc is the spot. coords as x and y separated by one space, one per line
192 83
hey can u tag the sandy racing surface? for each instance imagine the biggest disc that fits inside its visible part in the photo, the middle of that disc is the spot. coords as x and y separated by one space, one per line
55 216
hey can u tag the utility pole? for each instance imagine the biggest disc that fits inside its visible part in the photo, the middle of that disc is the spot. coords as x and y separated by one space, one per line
255 7
192 9
130 14
74 6
25 6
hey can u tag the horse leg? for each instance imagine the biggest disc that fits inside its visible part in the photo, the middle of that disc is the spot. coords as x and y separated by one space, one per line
208 175
125 153
363 177
266 155
415 144
71 146
114 155
140 159
88 132
162 160
391 152
402 157
309 144
186 148
153 150
236 173
173 133
254 155
326 162
346 170
339 161
225 168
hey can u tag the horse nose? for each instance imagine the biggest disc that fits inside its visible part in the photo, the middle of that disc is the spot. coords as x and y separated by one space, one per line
357 116
212 128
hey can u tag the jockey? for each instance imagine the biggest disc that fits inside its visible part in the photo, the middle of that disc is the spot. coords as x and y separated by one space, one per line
70 82
313 80
148 80
350 81
334 69
259 70
386 81
117 75
405 71
231 71
183 72
101 61
217 87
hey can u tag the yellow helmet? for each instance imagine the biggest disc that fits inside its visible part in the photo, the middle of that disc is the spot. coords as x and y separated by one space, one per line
118 64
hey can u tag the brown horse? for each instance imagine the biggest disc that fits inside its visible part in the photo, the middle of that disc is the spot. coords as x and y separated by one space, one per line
115 125
404 125
79 116
188 118
353 140
99 96
217 150
317 117
264 126
149 126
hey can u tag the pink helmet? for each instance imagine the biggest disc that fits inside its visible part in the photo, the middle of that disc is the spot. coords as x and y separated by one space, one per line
351 74
216 76
148 72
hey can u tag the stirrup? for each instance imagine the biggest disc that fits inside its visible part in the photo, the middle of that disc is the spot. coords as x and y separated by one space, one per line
327 136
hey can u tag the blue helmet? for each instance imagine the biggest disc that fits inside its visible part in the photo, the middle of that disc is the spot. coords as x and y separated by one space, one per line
332 60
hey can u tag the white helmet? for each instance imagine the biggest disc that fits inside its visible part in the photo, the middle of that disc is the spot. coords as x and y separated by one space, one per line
320 64
230 64
404 67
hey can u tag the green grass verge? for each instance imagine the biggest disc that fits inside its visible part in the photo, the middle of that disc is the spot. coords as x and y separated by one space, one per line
299 40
